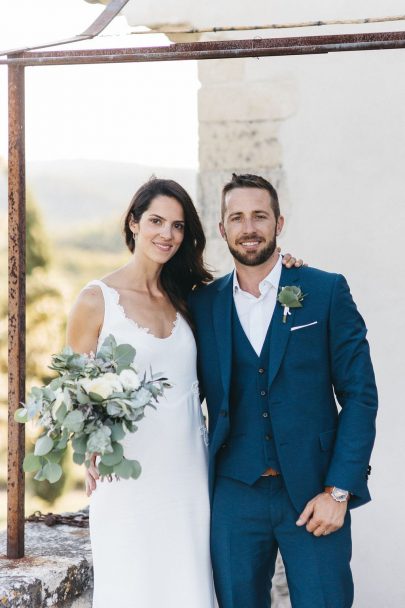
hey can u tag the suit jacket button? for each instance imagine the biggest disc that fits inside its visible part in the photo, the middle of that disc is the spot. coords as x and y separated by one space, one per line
223 446
223 413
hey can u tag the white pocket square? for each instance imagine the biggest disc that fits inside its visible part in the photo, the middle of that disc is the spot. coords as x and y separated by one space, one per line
302 326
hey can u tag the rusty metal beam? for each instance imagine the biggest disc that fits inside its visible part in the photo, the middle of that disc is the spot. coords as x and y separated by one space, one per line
16 310
108 14
262 47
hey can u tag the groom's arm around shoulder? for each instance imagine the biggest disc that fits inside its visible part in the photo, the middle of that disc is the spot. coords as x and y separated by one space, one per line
355 389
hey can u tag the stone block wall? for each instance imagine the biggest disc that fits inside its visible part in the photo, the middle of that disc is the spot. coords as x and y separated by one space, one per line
56 571
241 107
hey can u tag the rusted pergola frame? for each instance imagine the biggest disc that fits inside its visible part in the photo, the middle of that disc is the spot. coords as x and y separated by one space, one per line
16 63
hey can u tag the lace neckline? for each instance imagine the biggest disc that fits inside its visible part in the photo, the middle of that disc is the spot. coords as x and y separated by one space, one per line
145 330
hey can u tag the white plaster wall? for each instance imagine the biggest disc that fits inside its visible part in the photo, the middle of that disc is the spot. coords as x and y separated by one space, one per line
344 153
343 157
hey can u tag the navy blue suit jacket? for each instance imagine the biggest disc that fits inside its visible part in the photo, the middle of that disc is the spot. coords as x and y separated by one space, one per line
312 369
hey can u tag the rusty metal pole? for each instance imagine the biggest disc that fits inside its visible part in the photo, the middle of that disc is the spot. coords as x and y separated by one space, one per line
16 310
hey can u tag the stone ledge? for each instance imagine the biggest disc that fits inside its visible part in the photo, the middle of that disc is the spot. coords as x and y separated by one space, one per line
55 572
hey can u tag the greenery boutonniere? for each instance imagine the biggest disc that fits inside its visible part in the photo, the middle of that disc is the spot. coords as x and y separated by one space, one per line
290 296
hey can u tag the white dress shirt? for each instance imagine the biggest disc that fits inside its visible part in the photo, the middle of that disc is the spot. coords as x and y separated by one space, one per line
255 313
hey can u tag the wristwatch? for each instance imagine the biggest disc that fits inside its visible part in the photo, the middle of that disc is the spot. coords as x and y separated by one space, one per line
337 493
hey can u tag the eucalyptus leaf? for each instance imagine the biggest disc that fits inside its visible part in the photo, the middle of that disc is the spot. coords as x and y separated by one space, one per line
103 469
33 406
21 415
107 347
52 472
79 444
100 441
117 432
48 393
114 408
43 445
81 396
61 413
115 457
123 356
124 469
67 398
141 397
62 443
74 421
40 475
54 455
136 469
96 397
78 458
31 463
55 384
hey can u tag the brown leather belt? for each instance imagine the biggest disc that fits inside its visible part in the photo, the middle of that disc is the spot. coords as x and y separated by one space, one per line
270 473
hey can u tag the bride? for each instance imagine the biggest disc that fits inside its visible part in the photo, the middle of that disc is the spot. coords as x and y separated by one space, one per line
150 537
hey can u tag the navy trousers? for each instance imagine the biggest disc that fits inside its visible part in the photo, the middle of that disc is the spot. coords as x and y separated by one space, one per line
249 524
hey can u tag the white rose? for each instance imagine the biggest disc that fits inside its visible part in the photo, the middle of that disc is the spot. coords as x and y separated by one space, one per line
104 386
58 402
85 383
114 380
130 380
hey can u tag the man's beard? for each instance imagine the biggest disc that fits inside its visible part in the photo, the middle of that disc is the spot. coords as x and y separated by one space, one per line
254 259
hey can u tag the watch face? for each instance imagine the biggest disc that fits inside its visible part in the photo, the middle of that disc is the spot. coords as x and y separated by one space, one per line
339 495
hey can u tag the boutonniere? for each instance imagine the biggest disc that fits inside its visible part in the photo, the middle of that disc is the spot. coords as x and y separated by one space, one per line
290 296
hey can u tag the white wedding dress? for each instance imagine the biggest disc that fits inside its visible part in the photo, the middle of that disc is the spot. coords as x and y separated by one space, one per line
150 536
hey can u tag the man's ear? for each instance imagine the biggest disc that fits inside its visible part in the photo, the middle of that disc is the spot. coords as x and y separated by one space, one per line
280 224
222 229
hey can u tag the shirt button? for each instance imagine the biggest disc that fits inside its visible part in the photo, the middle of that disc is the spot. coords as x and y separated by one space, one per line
261 370
265 415
223 413
263 393
267 437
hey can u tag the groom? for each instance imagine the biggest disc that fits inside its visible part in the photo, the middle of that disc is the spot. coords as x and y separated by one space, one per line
278 349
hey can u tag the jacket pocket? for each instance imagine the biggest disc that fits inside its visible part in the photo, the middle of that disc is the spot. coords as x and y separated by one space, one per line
327 439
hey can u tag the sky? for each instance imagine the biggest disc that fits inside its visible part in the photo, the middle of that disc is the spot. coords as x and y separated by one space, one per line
142 113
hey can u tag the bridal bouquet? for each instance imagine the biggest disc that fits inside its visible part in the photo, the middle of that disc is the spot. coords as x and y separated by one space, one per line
93 402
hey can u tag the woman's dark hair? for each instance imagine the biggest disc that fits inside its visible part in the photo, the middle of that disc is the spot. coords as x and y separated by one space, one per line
186 269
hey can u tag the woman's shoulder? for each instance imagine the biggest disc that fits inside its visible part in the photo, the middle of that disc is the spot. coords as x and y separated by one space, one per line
90 299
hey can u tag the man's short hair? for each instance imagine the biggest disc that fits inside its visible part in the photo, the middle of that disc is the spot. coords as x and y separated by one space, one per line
251 181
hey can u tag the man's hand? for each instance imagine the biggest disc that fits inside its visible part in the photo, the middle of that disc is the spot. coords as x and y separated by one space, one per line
323 515
92 475
289 261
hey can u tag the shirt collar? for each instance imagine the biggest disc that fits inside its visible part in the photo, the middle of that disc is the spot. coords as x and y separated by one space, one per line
271 280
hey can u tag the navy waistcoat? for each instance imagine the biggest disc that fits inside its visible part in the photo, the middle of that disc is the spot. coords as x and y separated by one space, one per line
249 449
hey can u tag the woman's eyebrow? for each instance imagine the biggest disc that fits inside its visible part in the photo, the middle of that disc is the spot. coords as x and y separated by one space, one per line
164 219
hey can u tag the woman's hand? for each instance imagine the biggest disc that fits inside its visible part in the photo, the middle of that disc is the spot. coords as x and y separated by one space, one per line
92 475
289 261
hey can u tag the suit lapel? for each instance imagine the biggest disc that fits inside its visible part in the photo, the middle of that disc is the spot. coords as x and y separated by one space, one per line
222 317
279 331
